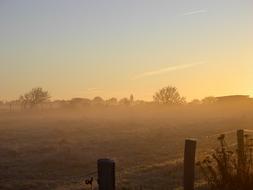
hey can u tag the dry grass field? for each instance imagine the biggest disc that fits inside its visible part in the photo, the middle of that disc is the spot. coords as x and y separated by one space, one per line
58 149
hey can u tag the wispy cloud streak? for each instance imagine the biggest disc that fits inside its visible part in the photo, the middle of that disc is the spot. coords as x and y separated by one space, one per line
201 11
93 90
165 70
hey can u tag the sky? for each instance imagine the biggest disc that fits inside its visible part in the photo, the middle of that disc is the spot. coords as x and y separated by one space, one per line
114 48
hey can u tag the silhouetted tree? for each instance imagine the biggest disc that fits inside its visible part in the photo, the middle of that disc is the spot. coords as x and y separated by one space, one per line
112 101
60 104
80 101
35 97
195 102
124 101
140 102
98 101
209 100
169 95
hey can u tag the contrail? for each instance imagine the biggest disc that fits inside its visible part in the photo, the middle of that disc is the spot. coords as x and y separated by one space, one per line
93 90
165 70
201 11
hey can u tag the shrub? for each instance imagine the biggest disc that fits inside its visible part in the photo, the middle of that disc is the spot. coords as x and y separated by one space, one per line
221 169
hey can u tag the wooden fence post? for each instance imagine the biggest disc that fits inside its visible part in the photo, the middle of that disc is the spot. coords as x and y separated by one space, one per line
241 153
189 164
106 174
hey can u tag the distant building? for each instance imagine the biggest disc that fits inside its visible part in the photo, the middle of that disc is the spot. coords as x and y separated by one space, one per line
80 102
234 99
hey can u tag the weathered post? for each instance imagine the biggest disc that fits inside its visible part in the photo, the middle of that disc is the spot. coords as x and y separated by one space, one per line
241 153
189 164
106 174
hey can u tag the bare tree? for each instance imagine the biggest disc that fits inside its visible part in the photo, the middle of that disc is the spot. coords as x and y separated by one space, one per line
35 97
169 95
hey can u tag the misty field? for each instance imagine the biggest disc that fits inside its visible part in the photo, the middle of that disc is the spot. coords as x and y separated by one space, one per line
58 149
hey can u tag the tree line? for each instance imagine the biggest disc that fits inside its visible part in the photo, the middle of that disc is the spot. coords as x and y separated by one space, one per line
168 95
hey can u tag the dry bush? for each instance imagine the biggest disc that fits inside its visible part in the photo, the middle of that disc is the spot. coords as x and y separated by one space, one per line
222 171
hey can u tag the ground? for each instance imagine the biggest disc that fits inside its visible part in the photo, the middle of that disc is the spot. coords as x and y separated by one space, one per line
58 149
